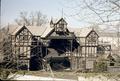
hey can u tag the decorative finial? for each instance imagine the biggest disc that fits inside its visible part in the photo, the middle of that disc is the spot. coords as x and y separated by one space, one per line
51 21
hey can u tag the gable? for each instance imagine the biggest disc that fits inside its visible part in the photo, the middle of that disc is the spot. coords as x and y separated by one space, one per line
92 32
61 25
35 30
23 34
23 31
61 21
57 30
92 37
62 35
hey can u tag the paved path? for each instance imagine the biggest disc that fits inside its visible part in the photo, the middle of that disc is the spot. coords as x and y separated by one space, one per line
80 78
31 77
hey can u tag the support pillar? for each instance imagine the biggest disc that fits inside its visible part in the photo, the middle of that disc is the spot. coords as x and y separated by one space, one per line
71 54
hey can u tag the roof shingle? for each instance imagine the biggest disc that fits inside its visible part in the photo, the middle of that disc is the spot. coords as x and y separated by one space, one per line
80 32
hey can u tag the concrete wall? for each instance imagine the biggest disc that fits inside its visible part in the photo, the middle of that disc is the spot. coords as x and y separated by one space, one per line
114 69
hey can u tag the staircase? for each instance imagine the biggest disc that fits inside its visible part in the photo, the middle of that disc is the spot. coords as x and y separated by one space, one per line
52 53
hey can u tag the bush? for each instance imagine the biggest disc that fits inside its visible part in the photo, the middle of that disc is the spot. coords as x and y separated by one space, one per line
5 73
100 67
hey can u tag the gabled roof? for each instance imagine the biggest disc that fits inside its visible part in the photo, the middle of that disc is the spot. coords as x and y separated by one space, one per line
62 19
57 20
35 30
47 31
14 30
44 30
81 32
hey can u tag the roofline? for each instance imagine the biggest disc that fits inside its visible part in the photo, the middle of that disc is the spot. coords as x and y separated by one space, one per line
60 20
92 31
21 29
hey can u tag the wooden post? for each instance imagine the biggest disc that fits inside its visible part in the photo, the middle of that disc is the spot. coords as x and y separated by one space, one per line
85 55
41 48
71 55
46 55
16 55
28 68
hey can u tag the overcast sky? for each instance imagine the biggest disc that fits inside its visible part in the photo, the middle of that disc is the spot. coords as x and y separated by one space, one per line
51 8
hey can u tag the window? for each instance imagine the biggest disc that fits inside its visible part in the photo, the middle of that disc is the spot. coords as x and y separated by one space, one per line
112 64
23 37
61 26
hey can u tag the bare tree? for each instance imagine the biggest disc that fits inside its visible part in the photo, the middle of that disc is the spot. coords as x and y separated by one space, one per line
99 10
31 19
106 10
7 62
40 19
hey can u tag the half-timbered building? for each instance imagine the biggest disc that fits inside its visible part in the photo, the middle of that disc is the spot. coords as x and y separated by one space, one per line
87 49
55 43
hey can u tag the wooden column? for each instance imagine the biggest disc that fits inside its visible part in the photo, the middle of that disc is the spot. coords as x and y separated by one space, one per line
85 55
71 54
41 48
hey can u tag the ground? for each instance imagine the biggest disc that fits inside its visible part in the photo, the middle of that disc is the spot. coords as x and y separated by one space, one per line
74 76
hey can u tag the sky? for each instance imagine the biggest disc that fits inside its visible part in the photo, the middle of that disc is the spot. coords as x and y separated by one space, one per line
10 10
75 12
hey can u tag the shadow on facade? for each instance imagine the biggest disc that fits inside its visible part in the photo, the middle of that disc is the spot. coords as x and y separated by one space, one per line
54 54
